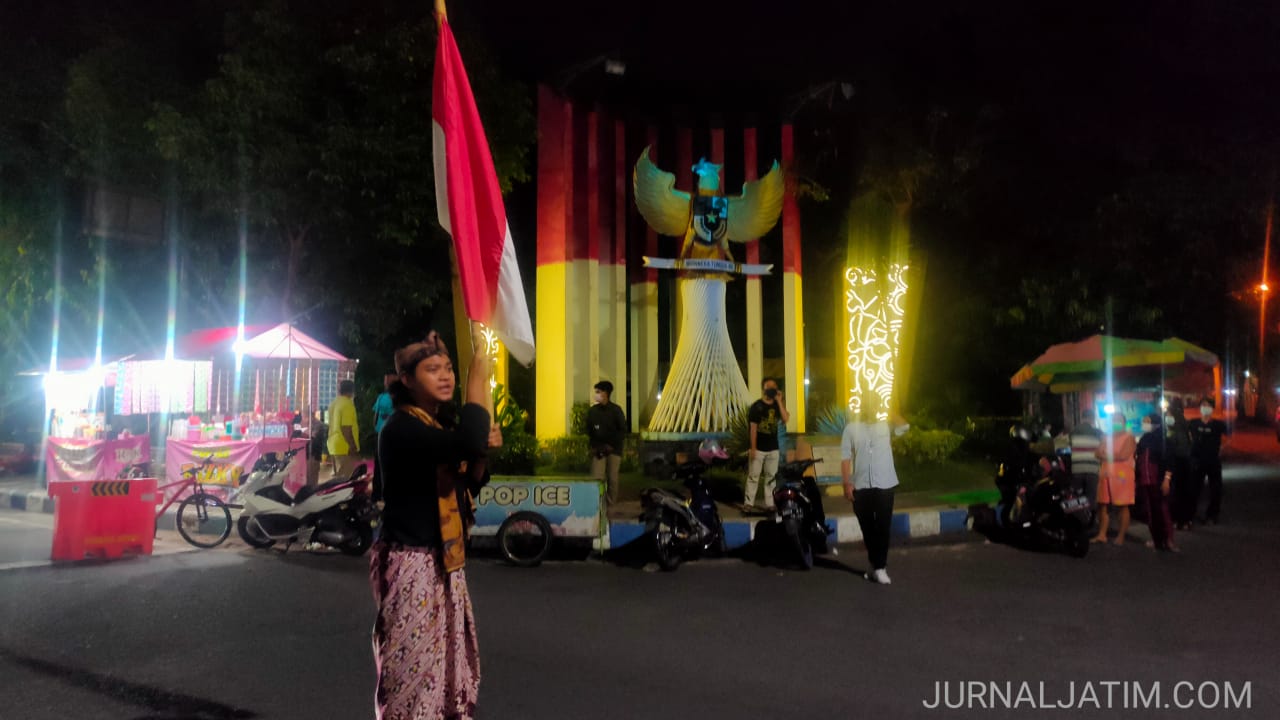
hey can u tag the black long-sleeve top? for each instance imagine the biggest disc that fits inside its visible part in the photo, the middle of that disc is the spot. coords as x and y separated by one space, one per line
409 457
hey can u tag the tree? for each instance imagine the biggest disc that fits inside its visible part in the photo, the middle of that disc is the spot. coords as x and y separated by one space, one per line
316 130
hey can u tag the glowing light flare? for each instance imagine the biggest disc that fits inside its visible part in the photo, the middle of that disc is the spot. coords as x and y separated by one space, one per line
874 319
102 302
493 348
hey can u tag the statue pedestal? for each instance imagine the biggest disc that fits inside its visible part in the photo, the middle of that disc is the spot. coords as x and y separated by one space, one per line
704 389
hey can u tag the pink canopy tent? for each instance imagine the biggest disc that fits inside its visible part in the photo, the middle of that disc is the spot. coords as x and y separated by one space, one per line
285 370
285 342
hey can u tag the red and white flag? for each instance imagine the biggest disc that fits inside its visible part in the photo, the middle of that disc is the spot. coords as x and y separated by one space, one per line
470 206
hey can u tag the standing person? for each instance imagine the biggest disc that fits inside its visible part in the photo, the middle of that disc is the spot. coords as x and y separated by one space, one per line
344 428
1085 441
430 456
1151 459
1208 438
762 430
315 448
383 407
606 432
1115 478
1178 465
869 477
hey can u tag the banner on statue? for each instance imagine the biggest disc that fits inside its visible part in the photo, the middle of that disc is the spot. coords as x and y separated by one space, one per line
572 507
707 265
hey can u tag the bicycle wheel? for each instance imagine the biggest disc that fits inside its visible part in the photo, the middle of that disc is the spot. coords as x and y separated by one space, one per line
525 539
204 521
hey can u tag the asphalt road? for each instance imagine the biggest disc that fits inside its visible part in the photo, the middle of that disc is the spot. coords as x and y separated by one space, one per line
232 633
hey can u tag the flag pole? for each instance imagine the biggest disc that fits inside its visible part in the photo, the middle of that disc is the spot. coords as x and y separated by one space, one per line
468 347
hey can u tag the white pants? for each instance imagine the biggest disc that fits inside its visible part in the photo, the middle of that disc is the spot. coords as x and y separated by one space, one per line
765 463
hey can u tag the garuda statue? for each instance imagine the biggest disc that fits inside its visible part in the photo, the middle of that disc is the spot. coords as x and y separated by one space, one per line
704 388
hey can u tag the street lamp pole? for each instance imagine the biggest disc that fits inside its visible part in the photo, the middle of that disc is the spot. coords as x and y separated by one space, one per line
1264 376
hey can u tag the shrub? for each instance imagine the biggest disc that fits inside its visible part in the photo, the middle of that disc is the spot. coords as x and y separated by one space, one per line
630 454
987 436
578 418
519 454
507 414
832 419
925 447
567 454
739 440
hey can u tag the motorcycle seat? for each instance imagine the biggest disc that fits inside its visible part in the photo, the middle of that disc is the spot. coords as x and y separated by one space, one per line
309 490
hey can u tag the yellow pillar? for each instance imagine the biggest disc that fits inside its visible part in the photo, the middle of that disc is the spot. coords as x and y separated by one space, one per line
755 335
644 354
552 364
554 358
793 358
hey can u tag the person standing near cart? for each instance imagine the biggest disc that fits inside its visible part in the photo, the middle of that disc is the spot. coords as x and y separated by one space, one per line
763 418
344 428
383 407
316 448
606 432
1208 438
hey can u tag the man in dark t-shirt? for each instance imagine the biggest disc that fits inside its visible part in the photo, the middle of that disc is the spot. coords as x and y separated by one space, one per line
1208 437
606 432
762 422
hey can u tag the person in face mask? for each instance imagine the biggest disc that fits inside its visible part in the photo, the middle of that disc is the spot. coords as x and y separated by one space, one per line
1208 438
1115 478
606 431
1177 467
1153 485
762 431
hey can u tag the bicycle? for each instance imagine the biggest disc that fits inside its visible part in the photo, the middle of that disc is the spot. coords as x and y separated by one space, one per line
200 514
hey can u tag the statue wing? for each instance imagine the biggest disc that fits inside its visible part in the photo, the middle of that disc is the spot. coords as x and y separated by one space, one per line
663 207
754 213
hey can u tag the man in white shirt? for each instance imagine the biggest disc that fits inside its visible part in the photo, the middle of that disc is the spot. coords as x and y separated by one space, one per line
869 478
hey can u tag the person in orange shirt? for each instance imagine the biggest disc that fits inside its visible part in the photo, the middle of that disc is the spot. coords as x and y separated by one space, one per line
1115 478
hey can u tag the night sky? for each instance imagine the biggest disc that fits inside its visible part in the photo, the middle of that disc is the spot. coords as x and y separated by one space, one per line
1135 140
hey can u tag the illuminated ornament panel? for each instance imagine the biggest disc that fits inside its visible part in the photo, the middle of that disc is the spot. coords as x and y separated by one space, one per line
873 311
492 348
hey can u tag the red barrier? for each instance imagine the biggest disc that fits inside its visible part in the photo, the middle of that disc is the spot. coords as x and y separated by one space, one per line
103 519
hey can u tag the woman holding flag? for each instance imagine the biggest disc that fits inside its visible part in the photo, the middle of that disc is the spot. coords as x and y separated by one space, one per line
430 458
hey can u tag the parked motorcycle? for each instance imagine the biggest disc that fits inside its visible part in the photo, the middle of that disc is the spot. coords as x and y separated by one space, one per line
1046 512
339 513
683 529
798 529
268 469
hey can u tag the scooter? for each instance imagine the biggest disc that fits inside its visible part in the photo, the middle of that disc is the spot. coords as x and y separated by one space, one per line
339 513
269 469
799 524
1045 512
683 529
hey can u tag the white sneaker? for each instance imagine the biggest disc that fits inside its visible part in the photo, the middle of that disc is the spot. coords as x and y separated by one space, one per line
882 577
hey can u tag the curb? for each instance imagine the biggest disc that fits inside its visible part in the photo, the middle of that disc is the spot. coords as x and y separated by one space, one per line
28 500
39 501
912 524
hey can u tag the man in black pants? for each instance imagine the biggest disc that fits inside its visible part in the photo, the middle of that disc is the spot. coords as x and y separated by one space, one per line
1208 438
869 480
